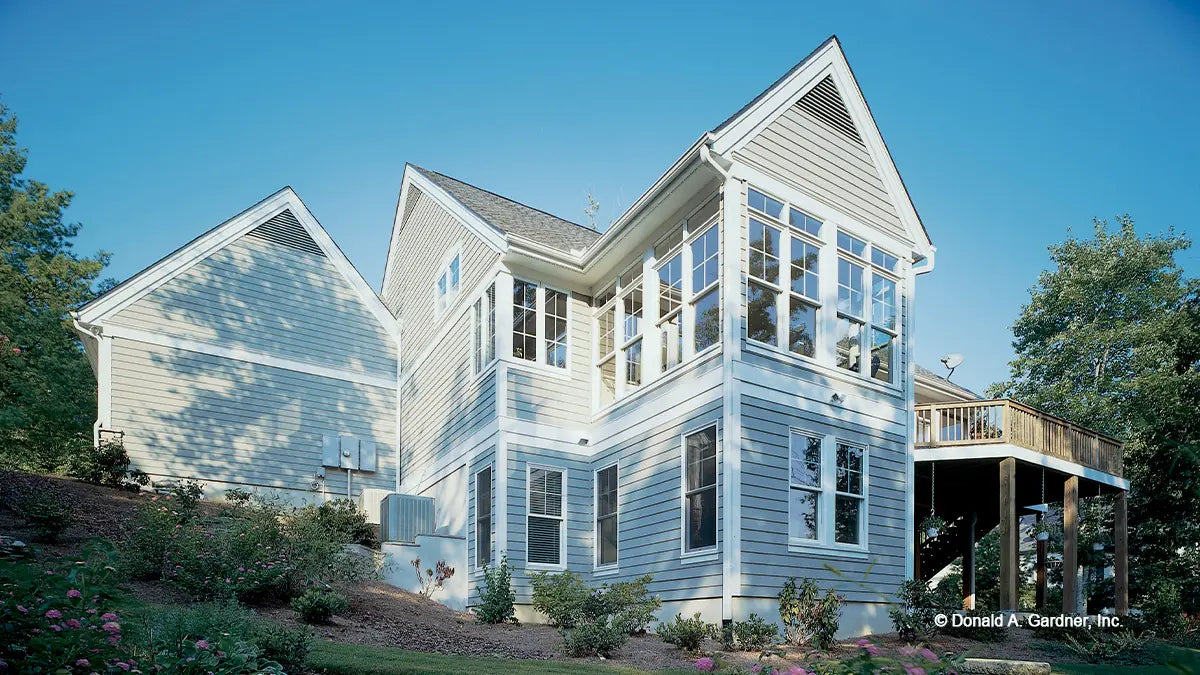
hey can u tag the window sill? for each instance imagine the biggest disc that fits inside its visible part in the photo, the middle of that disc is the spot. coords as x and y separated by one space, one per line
534 368
543 567
674 373
828 550
699 557
608 571
814 365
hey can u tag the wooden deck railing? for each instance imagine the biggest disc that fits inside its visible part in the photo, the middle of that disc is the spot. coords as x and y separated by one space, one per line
1007 421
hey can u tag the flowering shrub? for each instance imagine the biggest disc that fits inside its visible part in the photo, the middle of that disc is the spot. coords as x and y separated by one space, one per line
227 656
868 658
318 605
807 616
60 618
432 580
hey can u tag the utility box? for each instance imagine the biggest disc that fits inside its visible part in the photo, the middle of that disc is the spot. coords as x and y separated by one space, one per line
403 517
348 452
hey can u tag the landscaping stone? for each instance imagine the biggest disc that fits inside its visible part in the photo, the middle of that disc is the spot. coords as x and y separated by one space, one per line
1005 667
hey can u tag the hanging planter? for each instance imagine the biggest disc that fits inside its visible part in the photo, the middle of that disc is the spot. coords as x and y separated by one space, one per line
933 526
1041 531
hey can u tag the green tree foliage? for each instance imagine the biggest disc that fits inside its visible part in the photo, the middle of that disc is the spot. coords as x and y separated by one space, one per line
1111 339
47 397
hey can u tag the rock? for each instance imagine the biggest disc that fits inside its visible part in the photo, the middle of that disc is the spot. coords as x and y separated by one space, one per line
1005 667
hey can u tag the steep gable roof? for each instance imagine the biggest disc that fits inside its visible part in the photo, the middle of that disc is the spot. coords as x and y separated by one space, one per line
512 217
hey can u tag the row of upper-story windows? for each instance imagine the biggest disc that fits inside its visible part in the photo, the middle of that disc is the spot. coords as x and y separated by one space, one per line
791 307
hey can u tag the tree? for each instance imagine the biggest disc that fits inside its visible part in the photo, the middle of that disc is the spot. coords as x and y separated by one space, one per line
1111 340
47 396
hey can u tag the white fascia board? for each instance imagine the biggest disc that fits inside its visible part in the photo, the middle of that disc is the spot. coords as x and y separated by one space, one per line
184 258
829 60
471 220
1002 450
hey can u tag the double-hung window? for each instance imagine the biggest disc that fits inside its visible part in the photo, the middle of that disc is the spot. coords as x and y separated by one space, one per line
827 483
483 517
448 281
606 344
855 325
631 327
483 330
706 289
546 524
700 489
670 310
850 303
606 516
883 315
784 277
542 341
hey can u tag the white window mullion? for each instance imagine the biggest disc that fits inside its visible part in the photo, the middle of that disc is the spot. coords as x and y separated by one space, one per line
539 329
782 301
619 341
651 336
687 312
504 315
827 266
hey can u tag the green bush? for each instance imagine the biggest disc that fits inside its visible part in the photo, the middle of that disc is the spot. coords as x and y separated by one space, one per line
1094 646
318 605
496 598
560 597
594 637
1163 612
344 521
108 464
47 514
166 634
285 645
633 607
752 635
807 616
151 535
687 634
913 616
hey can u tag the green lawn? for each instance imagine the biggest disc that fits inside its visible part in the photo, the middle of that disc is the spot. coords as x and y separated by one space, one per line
339 658
1177 659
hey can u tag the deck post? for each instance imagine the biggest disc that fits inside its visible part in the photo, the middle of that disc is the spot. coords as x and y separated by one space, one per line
1040 592
1121 553
1070 544
968 565
1009 526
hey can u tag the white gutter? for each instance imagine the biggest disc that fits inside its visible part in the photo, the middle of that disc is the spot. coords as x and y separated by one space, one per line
88 331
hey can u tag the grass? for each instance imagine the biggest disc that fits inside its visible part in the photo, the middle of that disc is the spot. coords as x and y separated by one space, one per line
337 658
1176 660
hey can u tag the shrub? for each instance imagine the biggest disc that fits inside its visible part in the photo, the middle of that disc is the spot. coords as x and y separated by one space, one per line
1163 612
432 580
496 598
868 658
594 637
187 495
287 646
1120 647
559 596
224 654
807 616
47 514
913 616
319 605
687 634
344 521
168 633
632 605
106 464
752 635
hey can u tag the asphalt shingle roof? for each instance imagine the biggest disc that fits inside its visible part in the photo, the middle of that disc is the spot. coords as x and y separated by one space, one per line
509 216
929 374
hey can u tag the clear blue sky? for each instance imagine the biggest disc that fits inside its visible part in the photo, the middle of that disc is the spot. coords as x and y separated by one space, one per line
1010 122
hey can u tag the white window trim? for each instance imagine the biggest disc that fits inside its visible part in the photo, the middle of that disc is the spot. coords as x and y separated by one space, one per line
562 530
443 303
827 502
480 328
707 551
491 516
678 312
597 566
539 364
690 297
817 489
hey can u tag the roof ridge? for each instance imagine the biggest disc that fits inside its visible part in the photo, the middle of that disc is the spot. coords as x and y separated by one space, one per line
508 199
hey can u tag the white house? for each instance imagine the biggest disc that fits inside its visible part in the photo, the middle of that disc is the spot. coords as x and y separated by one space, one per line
718 390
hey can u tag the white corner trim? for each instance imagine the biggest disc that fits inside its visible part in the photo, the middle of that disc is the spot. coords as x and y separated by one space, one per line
245 355
1000 450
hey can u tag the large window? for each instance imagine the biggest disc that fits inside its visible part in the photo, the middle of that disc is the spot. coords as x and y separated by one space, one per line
483 330
827 481
483 517
706 291
606 516
552 333
700 489
855 327
775 288
546 523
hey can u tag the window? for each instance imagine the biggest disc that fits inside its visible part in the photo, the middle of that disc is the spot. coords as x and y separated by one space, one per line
826 491
631 333
784 277
848 505
804 496
483 517
670 310
483 330
850 304
762 310
606 516
700 489
804 222
883 325
546 529
805 296
448 282
706 296
606 352
853 327
529 302
764 204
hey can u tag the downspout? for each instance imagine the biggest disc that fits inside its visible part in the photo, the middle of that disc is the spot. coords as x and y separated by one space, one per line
91 332
910 468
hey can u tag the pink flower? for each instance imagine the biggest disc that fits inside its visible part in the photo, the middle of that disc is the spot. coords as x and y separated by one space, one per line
91 610
108 616
202 644
913 670
56 628
705 665
54 614
908 652
74 623
928 655
22 609
756 668
73 593
123 666
863 642
112 627
83 663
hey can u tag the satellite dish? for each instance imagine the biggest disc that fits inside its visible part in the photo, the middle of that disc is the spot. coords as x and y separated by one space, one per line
952 361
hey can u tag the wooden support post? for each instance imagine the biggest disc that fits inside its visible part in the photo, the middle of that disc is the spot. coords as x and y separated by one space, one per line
968 564
1121 553
1070 544
1040 593
1009 527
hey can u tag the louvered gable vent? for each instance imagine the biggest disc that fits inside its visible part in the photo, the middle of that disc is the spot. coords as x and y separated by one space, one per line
285 230
825 103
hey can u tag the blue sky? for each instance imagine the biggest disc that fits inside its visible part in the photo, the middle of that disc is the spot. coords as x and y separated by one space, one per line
1010 122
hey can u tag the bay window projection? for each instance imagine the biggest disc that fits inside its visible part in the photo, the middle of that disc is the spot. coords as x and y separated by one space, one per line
700 489
606 516
483 330
849 495
775 289
545 522
826 484
529 302
483 517
706 289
